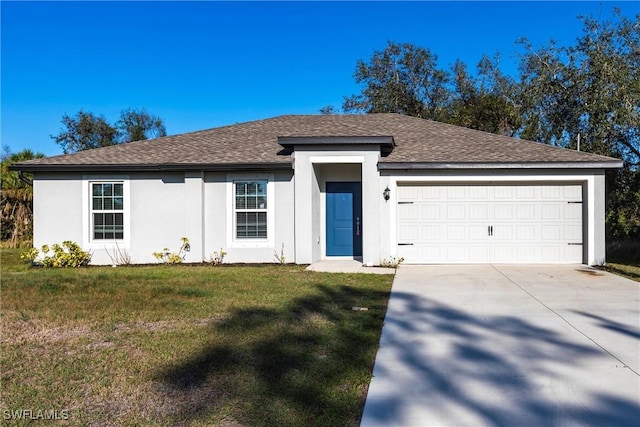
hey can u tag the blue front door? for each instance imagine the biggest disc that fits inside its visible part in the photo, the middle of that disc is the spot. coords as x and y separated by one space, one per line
344 219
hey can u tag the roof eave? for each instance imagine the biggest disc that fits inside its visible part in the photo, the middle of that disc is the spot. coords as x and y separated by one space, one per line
613 164
146 167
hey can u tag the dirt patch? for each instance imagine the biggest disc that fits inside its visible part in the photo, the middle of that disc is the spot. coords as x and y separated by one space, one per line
589 272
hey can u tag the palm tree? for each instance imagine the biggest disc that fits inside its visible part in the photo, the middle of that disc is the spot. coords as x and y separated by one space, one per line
16 201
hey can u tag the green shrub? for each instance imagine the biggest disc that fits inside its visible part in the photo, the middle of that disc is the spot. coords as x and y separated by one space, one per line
69 254
167 257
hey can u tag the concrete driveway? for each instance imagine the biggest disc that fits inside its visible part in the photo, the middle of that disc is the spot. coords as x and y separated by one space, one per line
488 345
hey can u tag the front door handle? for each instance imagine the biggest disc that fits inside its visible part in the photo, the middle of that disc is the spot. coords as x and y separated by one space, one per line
357 226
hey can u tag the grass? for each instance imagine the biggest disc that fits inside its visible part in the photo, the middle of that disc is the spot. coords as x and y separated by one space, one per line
630 271
624 258
626 251
189 345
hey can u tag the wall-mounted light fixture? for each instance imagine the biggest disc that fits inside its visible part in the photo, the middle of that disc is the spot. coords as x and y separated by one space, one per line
386 193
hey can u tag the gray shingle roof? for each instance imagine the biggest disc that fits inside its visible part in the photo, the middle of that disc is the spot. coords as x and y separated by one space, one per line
418 141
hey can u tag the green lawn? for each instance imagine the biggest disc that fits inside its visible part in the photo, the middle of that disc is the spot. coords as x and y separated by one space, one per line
623 258
630 271
189 345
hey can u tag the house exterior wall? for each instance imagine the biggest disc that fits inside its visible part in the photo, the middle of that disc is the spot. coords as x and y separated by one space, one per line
57 209
217 215
312 168
160 208
165 206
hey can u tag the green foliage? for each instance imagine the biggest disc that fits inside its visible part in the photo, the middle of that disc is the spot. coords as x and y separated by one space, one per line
217 257
16 201
68 254
402 78
589 90
139 125
85 130
167 257
486 102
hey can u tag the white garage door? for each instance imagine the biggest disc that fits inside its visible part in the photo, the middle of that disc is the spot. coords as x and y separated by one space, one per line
490 223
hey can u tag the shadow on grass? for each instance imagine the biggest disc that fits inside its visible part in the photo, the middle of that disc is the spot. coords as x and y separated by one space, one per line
308 363
461 367
624 251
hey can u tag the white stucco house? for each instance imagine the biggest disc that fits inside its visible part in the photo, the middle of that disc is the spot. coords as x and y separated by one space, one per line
367 187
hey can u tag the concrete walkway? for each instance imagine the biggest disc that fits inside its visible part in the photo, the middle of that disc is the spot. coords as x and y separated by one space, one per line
347 266
508 346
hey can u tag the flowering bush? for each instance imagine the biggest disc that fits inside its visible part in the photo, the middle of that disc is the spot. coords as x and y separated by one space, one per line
167 257
69 254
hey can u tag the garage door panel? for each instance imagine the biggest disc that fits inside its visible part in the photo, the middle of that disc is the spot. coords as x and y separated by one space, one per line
573 252
408 232
572 192
456 232
456 253
503 211
478 193
525 232
573 211
526 192
503 232
552 232
478 254
572 233
410 253
551 253
525 211
408 193
490 223
432 212
479 212
431 232
456 193
478 233
525 253
456 212
552 192
503 192
408 213
431 193
551 212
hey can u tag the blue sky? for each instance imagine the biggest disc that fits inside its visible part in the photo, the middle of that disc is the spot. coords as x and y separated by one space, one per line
199 65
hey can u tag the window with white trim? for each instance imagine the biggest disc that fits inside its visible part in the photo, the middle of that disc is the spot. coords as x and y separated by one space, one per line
107 210
250 209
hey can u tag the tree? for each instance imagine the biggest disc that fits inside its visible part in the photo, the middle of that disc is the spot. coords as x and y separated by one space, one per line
591 89
85 130
402 79
139 125
591 92
16 202
485 102
405 79
327 110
